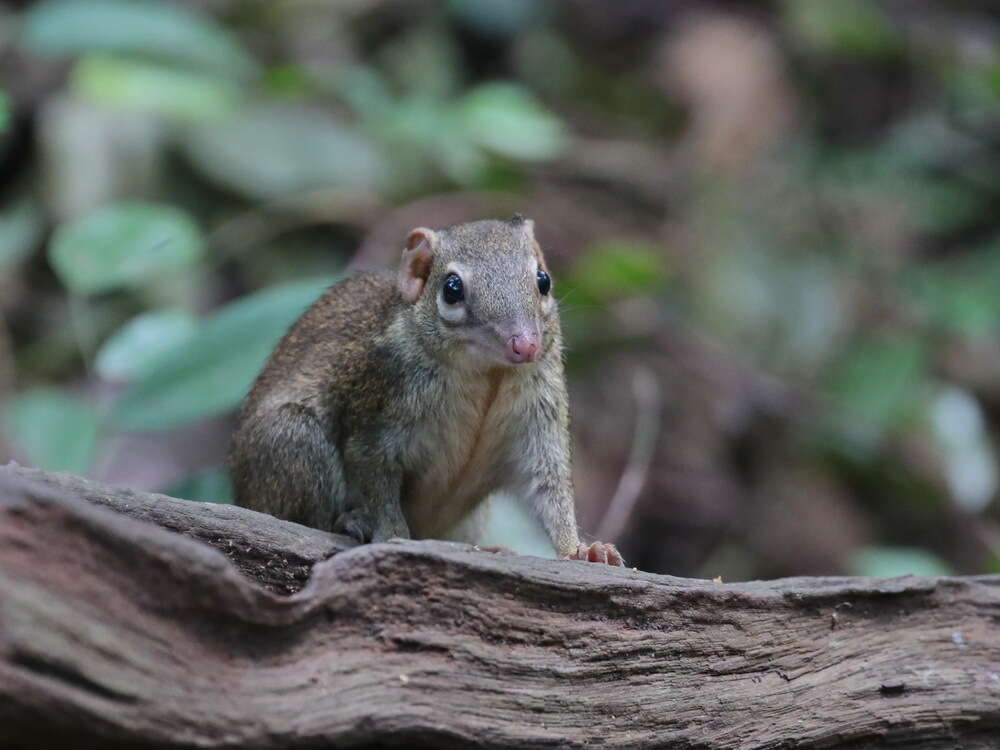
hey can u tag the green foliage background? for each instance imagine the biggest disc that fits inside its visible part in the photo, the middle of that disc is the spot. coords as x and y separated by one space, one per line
787 212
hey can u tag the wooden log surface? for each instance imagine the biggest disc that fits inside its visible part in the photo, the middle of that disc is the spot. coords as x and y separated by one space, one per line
134 620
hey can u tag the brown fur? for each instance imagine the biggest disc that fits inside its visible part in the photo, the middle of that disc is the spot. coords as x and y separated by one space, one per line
387 412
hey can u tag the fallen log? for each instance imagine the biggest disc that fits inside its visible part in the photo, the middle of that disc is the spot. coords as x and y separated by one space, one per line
134 620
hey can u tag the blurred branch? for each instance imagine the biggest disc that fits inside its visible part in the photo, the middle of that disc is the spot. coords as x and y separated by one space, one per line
648 408
645 168
81 321
381 247
256 226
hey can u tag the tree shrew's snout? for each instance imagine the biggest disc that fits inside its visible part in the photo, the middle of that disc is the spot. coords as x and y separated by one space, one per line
523 346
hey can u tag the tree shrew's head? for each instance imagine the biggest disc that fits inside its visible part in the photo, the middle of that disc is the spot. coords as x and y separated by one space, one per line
482 289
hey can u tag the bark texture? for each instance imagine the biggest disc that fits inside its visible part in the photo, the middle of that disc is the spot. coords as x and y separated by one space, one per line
242 631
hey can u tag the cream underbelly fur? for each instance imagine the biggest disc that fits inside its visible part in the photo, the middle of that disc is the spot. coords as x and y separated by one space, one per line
453 467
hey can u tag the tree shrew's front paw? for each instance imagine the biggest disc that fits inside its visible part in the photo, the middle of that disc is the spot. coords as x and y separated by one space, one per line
598 552
360 525
355 525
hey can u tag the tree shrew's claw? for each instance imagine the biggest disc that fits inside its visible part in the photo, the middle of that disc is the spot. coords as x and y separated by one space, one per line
598 552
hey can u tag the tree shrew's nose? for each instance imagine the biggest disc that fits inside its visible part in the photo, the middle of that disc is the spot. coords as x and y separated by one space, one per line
523 347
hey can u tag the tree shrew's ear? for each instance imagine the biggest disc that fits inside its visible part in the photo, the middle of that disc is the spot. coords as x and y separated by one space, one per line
416 264
526 224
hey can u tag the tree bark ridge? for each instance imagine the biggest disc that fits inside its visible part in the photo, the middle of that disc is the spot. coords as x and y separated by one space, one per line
115 631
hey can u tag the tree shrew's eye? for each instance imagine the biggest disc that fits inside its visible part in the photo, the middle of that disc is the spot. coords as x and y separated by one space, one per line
544 281
453 291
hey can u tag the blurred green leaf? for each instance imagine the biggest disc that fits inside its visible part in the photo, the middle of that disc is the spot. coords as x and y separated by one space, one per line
133 350
889 562
507 119
212 371
961 295
21 226
145 87
874 386
976 89
927 143
55 430
459 158
942 205
424 61
853 27
291 81
366 91
159 30
209 486
545 60
123 244
428 135
615 269
4 111
275 152
423 131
